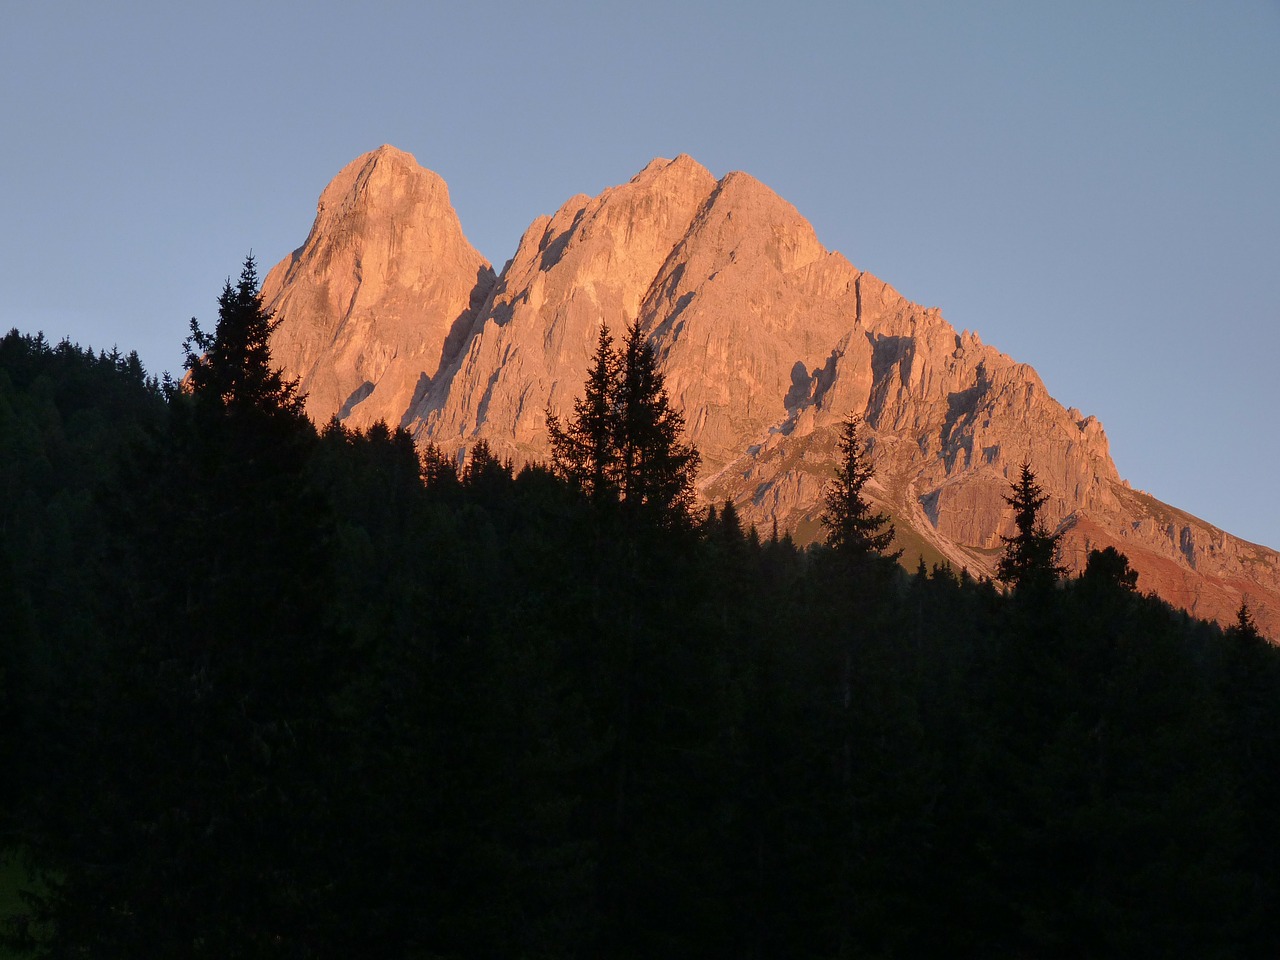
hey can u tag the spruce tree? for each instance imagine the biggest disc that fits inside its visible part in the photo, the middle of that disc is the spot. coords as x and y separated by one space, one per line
1030 557
1245 628
853 623
232 365
438 471
207 714
657 468
583 450
624 444
854 530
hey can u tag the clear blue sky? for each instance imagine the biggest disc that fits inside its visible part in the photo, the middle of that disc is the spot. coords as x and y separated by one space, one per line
1092 186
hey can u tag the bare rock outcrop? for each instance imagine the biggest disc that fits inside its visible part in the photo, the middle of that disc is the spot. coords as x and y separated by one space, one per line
768 341
593 262
365 308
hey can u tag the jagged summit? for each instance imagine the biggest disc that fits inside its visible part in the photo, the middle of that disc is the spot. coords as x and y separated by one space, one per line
367 303
682 162
767 339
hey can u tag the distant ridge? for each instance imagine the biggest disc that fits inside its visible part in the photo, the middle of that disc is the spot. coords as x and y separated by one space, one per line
767 340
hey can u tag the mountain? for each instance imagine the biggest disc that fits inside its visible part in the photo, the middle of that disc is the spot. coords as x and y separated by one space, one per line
371 299
768 341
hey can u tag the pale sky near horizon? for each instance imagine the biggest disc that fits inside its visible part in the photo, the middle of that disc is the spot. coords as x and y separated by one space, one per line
1092 186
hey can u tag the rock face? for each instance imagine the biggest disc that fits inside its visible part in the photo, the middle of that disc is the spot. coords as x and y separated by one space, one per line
768 342
365 308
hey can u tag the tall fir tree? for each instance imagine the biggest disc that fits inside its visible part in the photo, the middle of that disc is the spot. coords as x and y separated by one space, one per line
624 444
854 530
232 365
204 703
583 450
1030 557
854 623
1245 628
657 467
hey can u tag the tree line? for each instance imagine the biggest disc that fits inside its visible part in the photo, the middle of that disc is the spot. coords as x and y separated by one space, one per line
269 690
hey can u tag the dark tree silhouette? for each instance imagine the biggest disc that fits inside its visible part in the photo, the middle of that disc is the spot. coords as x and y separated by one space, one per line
232 365
264 694
657 467
1110 566
584 450
1245 627
438 471
1030 556
854 530
624 443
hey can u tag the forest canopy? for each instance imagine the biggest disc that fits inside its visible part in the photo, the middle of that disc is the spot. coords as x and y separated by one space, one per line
268 690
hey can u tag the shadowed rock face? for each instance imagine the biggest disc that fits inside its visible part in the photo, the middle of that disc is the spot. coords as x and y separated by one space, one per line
767 340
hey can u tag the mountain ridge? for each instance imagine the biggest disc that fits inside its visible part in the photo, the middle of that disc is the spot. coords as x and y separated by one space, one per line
767 341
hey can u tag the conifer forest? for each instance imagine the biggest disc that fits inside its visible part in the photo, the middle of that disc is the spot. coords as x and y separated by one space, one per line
269 689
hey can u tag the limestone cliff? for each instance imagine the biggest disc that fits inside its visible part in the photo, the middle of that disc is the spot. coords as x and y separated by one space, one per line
767 340
530 345
366 306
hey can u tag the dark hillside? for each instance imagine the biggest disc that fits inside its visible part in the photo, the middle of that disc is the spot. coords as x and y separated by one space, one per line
274 691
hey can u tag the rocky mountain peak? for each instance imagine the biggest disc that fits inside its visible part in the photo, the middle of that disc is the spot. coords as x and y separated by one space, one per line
767 339
365 306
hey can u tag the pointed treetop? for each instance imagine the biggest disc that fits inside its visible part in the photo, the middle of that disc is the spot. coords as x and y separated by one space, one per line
1030 556
624 444
854 529
232 366
1245 627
